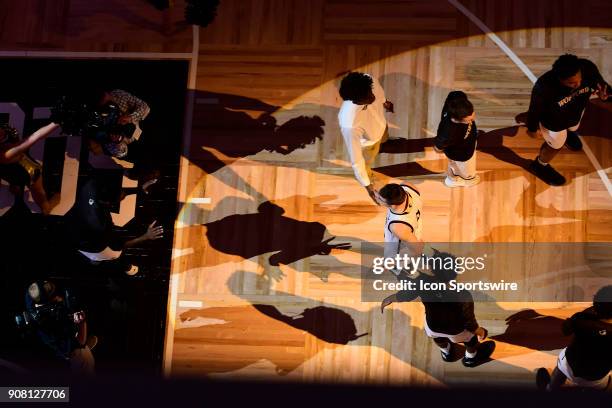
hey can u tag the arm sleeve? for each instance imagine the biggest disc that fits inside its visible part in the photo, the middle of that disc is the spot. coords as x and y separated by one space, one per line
593 72
441 141
469 317
568 327
137 108
536 106
352 137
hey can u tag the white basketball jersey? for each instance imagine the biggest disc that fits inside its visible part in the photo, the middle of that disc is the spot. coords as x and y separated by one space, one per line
410 216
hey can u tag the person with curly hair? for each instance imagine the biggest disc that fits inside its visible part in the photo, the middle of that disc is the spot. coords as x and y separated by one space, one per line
363 124
558 100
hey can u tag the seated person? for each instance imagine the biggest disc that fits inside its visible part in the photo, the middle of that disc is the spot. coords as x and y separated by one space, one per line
19 169
59 324
91 227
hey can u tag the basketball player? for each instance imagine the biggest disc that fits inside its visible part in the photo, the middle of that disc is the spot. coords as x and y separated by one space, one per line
449 317
403 226
587 361
558 100
363 124
456 137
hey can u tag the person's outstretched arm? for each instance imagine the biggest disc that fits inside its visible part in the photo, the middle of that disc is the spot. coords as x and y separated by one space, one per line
153 232
23 147
352 141
405 232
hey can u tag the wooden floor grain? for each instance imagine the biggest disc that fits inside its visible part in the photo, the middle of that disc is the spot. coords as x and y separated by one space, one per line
269 70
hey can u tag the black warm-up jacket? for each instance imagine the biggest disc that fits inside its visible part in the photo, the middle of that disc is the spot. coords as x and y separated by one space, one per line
558 107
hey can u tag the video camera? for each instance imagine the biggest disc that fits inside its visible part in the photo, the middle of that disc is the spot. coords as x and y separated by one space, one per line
78 117
49 314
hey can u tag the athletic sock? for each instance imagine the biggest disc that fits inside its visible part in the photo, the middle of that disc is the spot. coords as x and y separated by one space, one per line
541 162
470 355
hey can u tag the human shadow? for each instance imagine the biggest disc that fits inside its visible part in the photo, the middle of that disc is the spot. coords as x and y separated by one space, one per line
229 133
273 232
269 230
403 145
492 142
272 235
405 170
329 324
318 321
533 330
206 331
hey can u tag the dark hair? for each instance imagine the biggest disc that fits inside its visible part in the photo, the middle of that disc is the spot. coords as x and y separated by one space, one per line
393 194
438 270
457 105
566 66
41 291
602 302
356 86
93 96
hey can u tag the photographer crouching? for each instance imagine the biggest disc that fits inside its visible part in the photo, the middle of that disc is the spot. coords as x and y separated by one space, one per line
56 323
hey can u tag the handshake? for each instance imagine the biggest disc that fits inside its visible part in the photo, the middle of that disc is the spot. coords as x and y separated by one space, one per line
378 200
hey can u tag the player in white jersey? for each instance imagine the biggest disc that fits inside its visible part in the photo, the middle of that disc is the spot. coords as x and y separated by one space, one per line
363 124
403 226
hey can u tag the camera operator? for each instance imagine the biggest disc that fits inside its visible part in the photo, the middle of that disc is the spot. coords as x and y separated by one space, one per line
109 121
59 324
121 112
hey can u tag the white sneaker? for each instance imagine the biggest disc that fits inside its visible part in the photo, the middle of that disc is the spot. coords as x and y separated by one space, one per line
459 182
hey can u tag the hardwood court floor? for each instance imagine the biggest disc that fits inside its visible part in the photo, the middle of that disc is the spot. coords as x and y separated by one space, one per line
241 313
249 263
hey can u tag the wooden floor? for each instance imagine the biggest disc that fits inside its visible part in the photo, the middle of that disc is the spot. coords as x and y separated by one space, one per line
234 310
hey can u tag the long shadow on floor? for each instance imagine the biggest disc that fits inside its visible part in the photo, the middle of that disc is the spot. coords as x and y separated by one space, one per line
332 325
530 329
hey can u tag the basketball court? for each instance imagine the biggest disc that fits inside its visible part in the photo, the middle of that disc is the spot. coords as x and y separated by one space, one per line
260 285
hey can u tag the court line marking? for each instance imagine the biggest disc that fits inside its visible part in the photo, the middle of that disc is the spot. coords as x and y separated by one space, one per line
521 65
173 289
193 304
199 200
